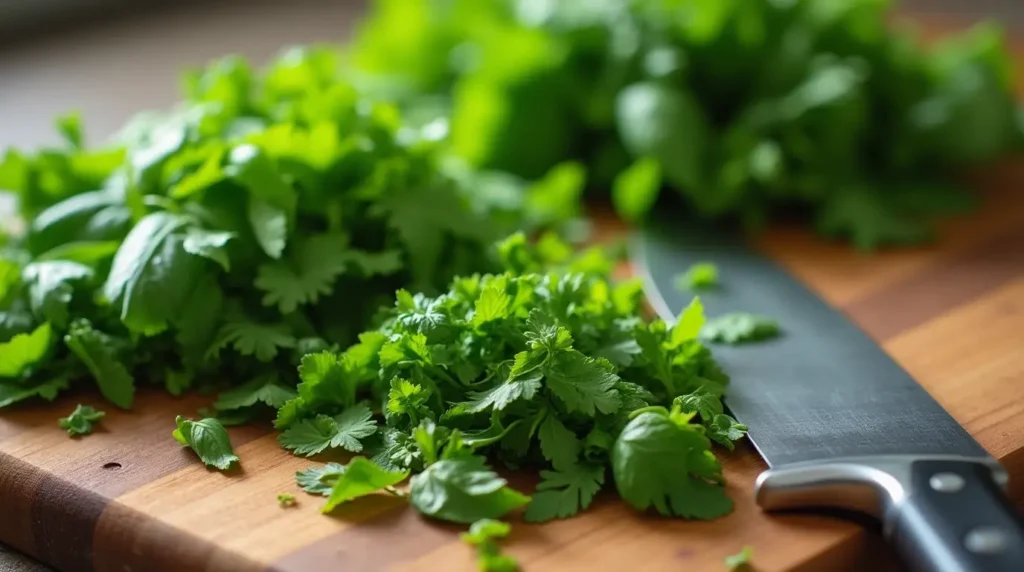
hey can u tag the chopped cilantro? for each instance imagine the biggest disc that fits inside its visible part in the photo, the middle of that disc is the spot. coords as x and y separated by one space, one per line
81 420
484 534
740 327
361 477
286 500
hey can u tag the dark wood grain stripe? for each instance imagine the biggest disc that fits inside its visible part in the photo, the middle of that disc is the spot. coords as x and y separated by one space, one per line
56 488
947 284
126 539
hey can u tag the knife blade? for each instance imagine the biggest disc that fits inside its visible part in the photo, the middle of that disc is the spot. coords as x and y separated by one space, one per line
840 424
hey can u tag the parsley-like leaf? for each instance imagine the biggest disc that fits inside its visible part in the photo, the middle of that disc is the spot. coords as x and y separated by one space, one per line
100 355
360 478
463 490
319 480
700 276
312 436
24 350
583 384
563 493
81 420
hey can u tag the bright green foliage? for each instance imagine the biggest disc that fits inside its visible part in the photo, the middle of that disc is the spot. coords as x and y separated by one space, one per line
484 534
701 275
361 477
744 109
209 439
81 420
740 327
524 369
269 216
320 480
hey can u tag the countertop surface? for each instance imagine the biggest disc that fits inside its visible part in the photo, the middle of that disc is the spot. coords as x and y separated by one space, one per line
111 69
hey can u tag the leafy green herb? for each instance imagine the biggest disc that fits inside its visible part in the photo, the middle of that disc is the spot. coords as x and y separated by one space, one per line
312 436
484 534
286 500
320 480
740 327
741 110
268 216
81 420
209 439
360 478
740 560
700 276
523 368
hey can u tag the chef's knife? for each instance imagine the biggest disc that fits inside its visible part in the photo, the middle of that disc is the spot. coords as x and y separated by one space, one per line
838 421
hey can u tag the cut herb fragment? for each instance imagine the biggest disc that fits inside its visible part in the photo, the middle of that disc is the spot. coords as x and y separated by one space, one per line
700 276
484 534
361 477
208 438
81 420
740 327
286 500
740 560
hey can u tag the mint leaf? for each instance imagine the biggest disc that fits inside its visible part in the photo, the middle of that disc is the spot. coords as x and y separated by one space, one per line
81 420
209 440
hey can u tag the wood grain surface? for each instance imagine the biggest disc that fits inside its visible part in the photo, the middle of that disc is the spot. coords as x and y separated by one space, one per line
129 498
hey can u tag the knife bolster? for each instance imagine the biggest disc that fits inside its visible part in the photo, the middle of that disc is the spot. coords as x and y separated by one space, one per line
872 485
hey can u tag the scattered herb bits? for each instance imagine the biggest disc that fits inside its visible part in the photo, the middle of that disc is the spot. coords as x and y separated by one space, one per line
700 276
81 420
741 560
740 327
286 500
485 534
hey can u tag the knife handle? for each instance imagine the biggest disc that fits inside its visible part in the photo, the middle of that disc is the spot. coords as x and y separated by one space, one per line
942 513
956 519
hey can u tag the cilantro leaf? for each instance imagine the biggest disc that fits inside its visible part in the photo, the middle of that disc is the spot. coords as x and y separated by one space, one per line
725 431
286 500
319 480
312 436
689 324
265 389
493 304
563 493
484 534
558 444
583 384
463 490
99 353
24 350
501 396
252 339
308 273
209 439
741 327
664 462
12 393
209 244
81 420
360 478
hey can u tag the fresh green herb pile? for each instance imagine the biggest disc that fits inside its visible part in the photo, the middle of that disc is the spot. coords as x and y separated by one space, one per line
528 368
268 217
746 109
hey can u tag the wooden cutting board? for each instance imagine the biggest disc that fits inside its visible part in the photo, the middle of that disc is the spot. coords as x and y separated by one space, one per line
128 498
